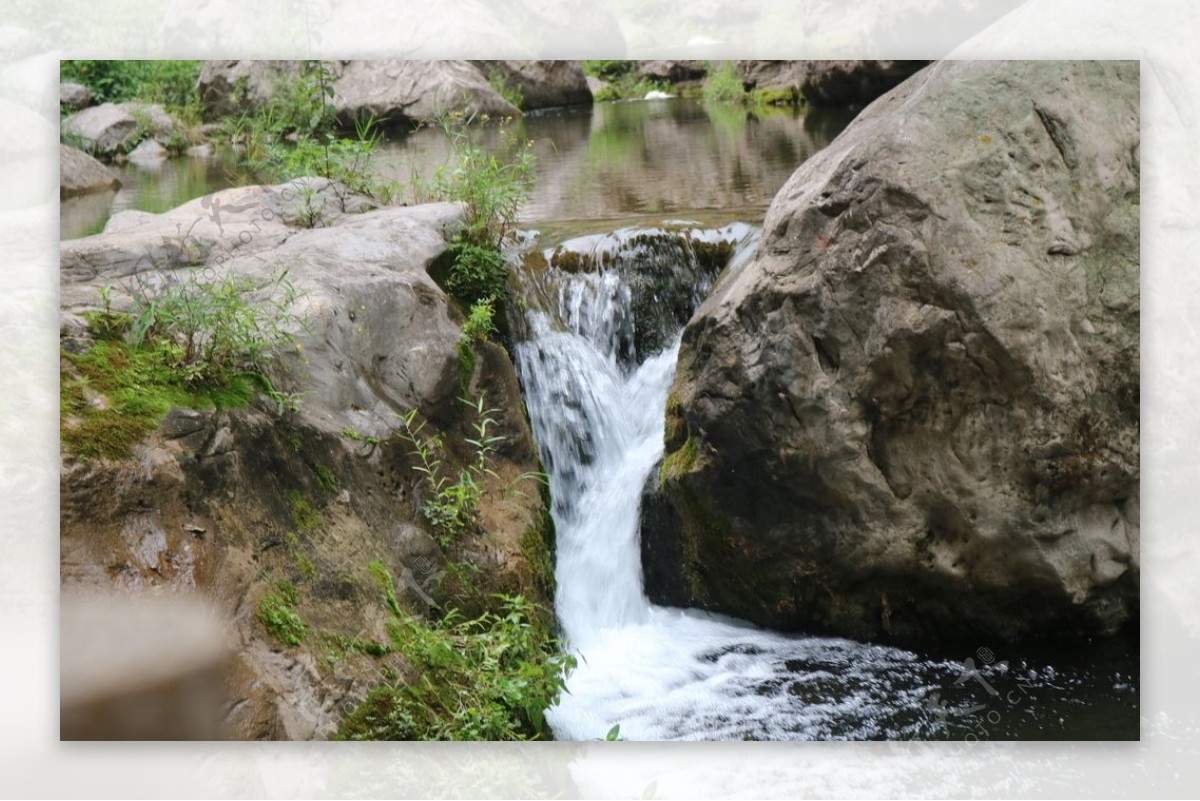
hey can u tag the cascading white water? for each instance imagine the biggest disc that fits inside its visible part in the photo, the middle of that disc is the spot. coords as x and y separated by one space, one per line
664 673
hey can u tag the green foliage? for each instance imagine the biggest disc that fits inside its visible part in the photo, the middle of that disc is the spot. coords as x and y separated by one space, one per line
186 342
609 70
304 517
507 91
326 477
492 188
488 678
614 735
276 611
358 436
383 578
477 328
304 566
115 394
479 325
478 273
172 83
216 329
723 84
451 503
296 134
623 80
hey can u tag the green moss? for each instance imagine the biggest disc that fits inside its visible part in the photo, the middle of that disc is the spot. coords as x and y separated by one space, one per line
115 394
304 566
277 614
329 481
678 462
784 96
700 531
304 517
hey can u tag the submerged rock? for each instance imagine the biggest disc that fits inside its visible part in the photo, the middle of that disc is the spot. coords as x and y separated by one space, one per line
914 413
80 174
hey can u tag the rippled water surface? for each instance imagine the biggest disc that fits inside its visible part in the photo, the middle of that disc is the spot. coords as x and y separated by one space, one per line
606 161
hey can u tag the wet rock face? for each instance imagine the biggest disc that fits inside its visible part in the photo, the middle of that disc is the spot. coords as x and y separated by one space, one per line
541 84
666 273
829 83
914 413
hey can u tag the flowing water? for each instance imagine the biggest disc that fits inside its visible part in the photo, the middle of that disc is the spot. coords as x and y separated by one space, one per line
598 351
597 408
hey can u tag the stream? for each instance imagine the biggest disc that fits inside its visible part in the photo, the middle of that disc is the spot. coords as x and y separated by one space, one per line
673 674
596 350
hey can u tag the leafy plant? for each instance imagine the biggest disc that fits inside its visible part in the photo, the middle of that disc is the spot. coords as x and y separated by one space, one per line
297 135
276 611
479 324
214 330
477 328
451 504
723 84
479 273
491 188
487 678
608 70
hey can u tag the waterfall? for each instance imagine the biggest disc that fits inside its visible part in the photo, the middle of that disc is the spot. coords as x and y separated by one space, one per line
597 410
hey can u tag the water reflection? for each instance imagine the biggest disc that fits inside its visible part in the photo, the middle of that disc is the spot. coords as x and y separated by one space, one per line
607 161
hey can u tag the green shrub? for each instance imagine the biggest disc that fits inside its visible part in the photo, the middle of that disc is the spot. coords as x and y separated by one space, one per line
171 83
723 84
216 329
479 324
491 187
488 678
478 274
277 614
451 504
609 70
296 134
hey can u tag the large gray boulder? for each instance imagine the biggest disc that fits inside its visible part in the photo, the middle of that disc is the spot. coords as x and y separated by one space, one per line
402 91
210 502
74 96
914 413
361 276
396 92
541 84
114 128
828 83
80 174
673 71
232 87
